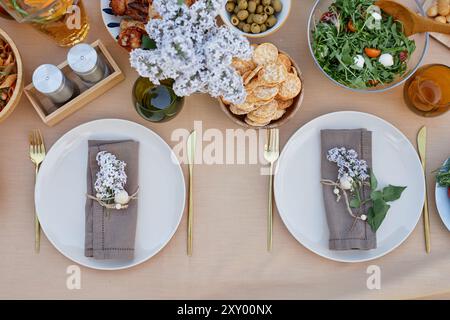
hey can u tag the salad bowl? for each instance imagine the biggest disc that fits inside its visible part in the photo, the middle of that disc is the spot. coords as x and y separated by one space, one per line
413 61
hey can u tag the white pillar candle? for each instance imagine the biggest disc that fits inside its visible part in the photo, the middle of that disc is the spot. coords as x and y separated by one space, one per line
87 64
50 81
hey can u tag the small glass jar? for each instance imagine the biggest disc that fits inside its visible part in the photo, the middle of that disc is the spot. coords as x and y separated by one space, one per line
427 92
156 103
84 60
50 81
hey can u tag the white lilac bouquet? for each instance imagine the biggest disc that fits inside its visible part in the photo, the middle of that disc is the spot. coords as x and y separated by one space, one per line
111 181
193 50
353 175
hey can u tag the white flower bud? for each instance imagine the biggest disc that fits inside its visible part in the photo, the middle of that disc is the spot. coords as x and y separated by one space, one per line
346 182
118 206
336 191
363 217
122 197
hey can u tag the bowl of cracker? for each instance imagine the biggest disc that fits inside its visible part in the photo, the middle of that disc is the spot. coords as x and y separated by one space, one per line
11 76
274 85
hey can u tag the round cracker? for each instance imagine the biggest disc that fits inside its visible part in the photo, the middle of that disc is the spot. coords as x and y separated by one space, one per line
278 114
263 93
265 53
251 74
256 119
285 60
273 73
290 88
266 110
235 110
284 104
246 106
255 124
242 66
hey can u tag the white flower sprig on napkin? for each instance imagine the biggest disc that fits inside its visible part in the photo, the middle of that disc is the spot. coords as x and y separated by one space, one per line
110 183
352 175
193 50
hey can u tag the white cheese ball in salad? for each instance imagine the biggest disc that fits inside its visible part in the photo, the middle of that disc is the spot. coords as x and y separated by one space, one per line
358 61
386 59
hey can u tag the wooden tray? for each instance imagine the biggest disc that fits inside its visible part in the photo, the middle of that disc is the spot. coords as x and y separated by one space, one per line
51 114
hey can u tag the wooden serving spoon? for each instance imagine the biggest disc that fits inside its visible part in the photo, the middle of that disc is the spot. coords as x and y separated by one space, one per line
412 22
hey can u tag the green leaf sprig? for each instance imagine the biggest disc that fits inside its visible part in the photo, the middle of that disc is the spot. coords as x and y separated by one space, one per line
379 200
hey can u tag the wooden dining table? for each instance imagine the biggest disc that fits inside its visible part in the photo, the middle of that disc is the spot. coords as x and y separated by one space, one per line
230 259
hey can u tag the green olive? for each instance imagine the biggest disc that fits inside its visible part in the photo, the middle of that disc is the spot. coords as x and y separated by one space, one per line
234 20
257 18
251 6
264 17
266 2
236 9
242 15
260 9
242 4
255 28
230 6
258 2
277 5
263 27
271 21
241 25
247 28
250 18
269 10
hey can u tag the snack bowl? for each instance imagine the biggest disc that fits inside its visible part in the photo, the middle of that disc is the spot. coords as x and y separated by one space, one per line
290 111
17 93
281 16
421 41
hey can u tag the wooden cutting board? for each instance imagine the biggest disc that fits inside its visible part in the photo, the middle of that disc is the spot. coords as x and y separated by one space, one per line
443 38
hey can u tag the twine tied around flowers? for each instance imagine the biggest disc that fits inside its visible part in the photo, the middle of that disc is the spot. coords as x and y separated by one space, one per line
118 206
337 186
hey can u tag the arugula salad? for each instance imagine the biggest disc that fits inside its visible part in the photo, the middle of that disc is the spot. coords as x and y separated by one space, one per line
360 46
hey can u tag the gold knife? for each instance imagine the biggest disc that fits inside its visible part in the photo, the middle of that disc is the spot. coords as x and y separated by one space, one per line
191 144
421 145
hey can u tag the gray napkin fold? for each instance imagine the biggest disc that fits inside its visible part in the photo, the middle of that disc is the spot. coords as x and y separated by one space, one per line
345 234
111 235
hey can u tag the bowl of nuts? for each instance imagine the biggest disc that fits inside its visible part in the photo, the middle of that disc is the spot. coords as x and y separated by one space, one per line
255 18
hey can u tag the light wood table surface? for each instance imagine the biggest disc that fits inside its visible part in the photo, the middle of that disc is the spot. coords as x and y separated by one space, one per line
230 258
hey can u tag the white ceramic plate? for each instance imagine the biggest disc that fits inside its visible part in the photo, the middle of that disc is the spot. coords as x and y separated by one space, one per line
298 191
111 21
60 193
443 204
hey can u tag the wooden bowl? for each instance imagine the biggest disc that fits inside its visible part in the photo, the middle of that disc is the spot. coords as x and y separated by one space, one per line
290 112
14 100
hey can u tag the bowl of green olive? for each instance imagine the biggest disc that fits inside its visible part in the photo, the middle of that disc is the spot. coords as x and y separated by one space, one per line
255 18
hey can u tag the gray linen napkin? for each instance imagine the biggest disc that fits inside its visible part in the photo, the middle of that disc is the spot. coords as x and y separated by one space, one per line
342 235
111 235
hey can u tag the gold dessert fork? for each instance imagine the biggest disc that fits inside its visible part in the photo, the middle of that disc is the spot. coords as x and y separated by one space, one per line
37 155
271 154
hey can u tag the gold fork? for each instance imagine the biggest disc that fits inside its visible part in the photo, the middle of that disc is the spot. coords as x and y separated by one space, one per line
37 155
271 154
